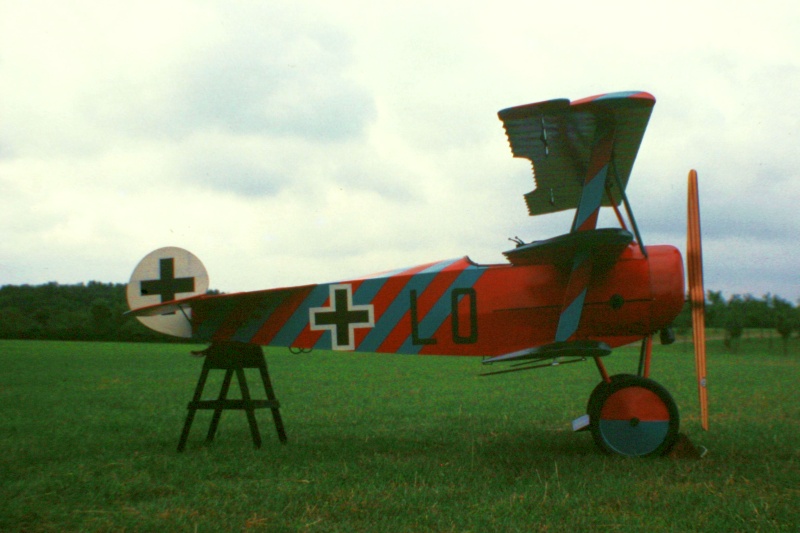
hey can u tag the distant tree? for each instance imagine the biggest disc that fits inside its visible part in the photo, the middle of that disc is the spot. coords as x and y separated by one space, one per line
683 322
42 316
768 312
15 324
757 312
716 310
92 311
734 321
101 318
786 320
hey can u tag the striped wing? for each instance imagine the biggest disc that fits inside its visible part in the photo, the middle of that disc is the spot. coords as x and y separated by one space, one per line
557 136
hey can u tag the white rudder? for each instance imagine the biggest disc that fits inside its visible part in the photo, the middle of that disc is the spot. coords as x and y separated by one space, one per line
164 275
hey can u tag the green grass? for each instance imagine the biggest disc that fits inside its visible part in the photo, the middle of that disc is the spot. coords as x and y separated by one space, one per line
88 435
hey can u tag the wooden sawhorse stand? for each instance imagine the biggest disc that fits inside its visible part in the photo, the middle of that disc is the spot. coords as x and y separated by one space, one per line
233 357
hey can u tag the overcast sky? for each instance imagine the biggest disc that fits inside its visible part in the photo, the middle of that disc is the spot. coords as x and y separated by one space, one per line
288 142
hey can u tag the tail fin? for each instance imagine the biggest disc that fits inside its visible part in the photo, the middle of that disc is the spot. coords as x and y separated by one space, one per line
164 275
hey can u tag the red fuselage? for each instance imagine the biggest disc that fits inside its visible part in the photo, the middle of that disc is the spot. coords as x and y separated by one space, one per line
519 306
454 308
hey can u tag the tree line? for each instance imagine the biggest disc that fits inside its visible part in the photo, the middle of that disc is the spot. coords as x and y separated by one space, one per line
767 314
96 311
93 311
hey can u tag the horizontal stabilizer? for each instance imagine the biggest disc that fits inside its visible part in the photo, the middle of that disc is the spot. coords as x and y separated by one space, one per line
581 348
165 308
602 244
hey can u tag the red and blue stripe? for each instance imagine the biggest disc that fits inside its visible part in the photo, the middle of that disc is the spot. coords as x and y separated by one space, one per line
280 317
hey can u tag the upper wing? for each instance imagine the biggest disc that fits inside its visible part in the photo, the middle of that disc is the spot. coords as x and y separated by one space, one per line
558 137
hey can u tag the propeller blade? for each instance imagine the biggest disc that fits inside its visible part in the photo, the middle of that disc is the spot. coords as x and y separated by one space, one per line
694 259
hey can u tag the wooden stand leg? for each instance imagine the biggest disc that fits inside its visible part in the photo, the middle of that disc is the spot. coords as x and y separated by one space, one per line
275 405
249 408
223 395
198 393
233 357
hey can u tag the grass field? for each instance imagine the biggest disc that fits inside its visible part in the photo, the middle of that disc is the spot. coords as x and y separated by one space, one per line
88 439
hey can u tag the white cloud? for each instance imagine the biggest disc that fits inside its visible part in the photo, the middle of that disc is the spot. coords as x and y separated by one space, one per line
290 142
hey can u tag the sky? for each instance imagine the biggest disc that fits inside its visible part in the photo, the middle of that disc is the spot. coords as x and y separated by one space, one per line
293 142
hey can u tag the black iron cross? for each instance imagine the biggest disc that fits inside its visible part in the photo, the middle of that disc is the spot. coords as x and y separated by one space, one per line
342 317
167 286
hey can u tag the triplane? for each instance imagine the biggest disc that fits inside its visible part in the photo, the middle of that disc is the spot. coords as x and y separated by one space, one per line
566 299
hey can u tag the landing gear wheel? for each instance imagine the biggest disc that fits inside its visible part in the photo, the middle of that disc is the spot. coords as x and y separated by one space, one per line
633 416
599 392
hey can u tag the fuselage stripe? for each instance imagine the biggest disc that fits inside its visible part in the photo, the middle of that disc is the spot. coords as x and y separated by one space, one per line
299 319
260 316
205 330
389 319
275 321
433 320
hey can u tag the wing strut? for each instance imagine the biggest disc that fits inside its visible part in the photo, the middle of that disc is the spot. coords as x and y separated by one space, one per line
594 187
629 211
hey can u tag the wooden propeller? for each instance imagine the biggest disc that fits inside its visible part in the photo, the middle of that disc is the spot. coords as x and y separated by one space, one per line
694 258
